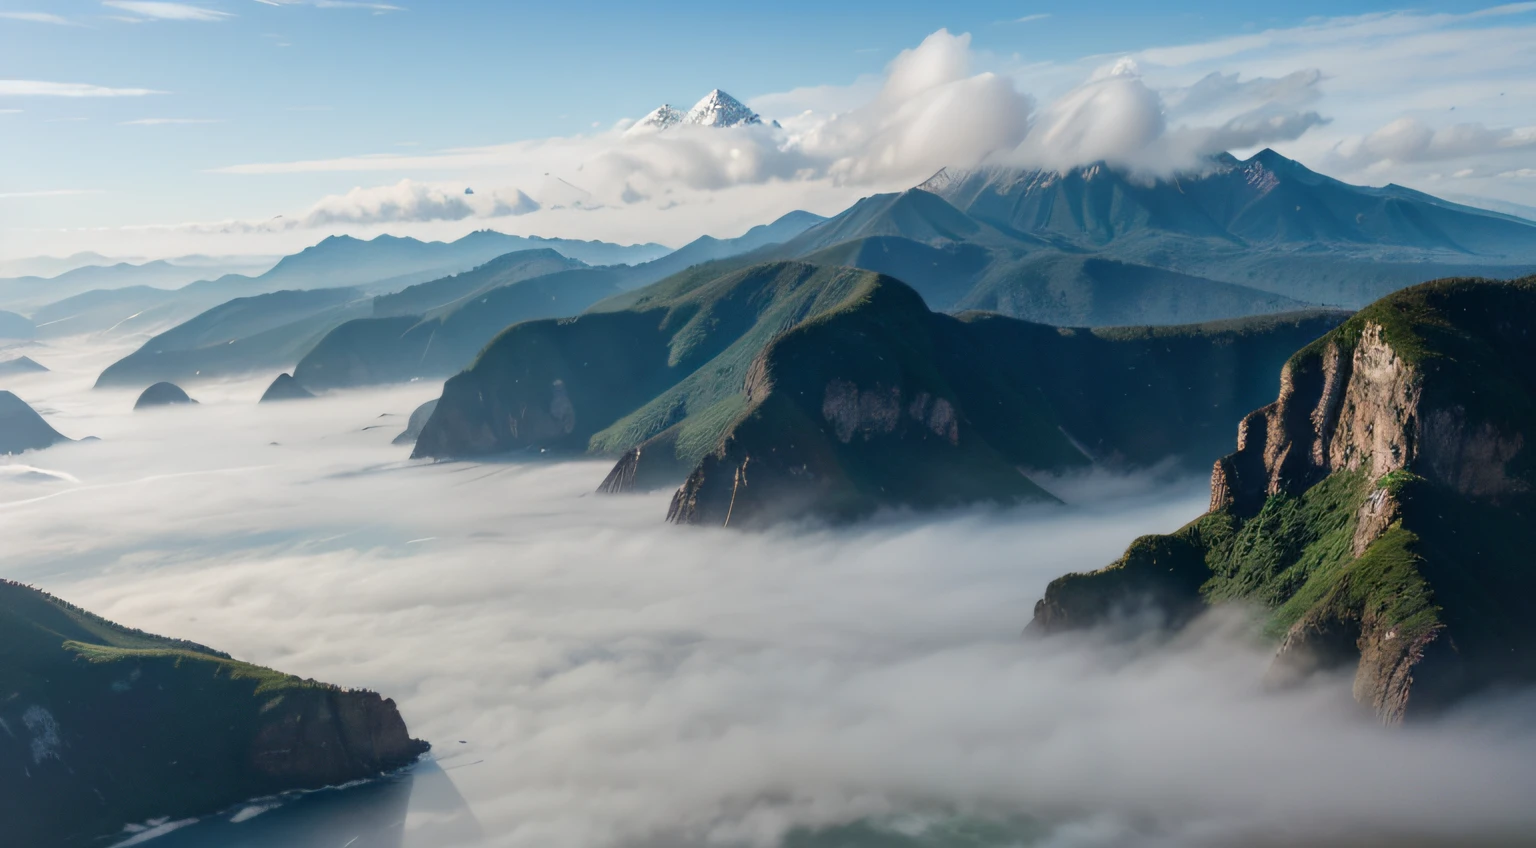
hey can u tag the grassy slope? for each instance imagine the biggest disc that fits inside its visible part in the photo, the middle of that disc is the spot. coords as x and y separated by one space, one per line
146 726
443 294
397 348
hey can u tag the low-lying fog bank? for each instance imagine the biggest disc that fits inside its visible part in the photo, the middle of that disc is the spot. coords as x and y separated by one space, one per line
590 676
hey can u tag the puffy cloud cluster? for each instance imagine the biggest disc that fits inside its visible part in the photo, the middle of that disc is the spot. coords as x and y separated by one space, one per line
944 104
1115 117
930 113
1410 139
930 109
412 201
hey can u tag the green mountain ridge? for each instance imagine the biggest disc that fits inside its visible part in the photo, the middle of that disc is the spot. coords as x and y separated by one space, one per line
455 318
244 335
106 726
788 357
1379 512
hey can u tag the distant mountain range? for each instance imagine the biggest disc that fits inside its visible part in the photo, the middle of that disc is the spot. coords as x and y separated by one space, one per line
388 263
116 300
53 266
425 329
1097 247
267 331
1092 247
1266 223
30 292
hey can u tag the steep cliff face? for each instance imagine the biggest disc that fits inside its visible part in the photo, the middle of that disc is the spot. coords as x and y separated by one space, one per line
889 405
330 736
102 726
1373 507
860 411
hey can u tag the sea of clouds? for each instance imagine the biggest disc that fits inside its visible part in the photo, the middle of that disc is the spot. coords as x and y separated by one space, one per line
590 676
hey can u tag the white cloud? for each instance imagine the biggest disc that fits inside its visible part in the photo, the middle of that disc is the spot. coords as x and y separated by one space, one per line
617 681
168 11
377 8
930 112
39 88
1410 139
63 192
1342 32
1316 92
1117 118
39 18
155 122
411 201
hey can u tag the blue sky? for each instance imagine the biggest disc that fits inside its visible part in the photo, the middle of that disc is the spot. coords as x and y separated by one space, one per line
253 81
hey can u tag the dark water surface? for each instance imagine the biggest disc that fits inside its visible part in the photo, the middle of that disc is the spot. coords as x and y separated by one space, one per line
419 808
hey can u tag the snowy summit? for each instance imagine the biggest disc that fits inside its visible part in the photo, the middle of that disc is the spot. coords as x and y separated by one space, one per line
664 116
717 109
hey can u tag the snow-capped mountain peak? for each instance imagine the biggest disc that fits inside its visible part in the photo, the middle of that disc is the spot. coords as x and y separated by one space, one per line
660 118
719 109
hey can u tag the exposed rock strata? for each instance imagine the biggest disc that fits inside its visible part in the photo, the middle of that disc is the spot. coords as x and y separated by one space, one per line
1382 506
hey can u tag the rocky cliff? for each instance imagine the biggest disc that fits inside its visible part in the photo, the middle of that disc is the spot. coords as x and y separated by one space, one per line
1380 508
106 726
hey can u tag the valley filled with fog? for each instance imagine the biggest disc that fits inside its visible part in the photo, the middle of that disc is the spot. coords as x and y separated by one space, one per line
588 674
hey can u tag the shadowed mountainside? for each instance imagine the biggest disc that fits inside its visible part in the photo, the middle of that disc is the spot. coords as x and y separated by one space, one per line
246 334
848 381
22 429
108 726
445 338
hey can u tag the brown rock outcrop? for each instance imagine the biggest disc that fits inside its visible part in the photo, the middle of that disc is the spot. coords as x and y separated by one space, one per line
326 737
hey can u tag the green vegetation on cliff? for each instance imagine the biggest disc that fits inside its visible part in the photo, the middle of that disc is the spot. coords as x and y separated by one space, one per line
1380 512
106 726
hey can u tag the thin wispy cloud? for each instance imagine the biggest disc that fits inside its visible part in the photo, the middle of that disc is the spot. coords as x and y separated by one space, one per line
62 192
39 18
377 8
168 11
156 122
42 88
1028 18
